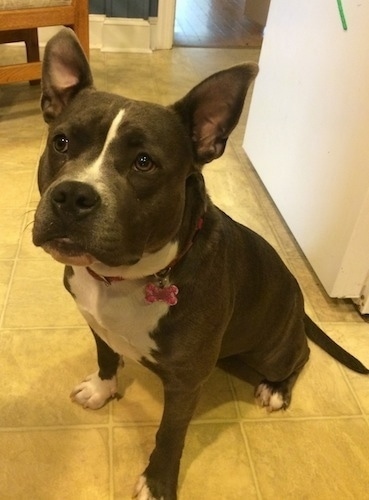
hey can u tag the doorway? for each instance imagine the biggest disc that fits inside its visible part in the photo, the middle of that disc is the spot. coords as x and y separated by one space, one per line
215 23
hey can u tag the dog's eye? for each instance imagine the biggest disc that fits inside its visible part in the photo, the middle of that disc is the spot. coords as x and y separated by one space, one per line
143 163
61 143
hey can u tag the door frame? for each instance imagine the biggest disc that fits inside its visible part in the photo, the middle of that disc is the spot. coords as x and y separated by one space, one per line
165 24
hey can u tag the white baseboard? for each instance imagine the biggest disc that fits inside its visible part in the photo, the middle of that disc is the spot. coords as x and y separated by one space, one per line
96 24
114 34
126 35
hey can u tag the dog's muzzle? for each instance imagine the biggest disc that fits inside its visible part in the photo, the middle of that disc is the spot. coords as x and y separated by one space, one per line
69 205
76 225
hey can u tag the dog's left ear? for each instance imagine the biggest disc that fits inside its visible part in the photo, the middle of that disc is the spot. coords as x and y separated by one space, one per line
65 71
211 110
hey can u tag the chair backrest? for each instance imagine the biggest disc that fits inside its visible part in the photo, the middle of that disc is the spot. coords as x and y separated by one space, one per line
19 20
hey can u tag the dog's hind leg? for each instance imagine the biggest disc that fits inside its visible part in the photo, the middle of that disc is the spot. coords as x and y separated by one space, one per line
271 395
276 395
100 387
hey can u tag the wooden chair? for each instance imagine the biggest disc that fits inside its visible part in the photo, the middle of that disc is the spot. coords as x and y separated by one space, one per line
19 20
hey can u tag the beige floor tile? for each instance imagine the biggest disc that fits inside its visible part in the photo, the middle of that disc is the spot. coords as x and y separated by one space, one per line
355 339
131 450
20 146
35 196
98 66
131 76
216 400
42 367
215 464
143 397
55 465
272 215
6 268
28 250
18 184
220 59
38 298
11 224
320 390
326 308
228 187
19 157
320 460
19 103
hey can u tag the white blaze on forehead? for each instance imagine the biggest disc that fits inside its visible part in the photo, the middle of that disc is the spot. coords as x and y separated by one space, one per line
93 171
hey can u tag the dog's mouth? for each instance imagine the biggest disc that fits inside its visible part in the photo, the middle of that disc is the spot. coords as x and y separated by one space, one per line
68 252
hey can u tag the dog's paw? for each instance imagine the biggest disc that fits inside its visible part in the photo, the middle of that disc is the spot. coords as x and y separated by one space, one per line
142 491
271 396
93 392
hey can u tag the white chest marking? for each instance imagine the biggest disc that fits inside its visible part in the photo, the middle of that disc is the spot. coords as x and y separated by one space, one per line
119 313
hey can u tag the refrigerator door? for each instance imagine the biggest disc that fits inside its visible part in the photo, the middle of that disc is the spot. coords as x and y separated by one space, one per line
308 134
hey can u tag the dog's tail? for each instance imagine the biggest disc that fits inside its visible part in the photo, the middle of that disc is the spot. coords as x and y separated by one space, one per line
321 339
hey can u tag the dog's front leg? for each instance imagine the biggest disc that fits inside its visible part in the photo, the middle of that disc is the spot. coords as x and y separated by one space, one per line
159 481
101 386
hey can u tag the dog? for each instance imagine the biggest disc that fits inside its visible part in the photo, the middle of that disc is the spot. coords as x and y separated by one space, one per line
160 274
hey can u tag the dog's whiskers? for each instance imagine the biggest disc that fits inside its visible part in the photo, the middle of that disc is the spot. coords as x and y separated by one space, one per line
28 224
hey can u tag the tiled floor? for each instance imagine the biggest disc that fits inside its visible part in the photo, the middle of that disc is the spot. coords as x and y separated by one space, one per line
52 449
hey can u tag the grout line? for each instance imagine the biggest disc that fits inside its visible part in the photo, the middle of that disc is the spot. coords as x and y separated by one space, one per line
7 294
350 387
111 453
70 427
153 423
76 427
245 439
367 420
66 427
251 461
82 326
313 418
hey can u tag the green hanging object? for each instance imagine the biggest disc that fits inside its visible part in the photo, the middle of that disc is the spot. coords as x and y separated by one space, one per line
342 14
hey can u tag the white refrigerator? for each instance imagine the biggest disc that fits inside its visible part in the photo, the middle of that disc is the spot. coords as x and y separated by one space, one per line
307 135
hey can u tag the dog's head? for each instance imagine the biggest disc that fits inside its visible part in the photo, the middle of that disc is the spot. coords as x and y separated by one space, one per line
118 176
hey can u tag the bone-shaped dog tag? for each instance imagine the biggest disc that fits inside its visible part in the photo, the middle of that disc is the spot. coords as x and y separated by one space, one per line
161 293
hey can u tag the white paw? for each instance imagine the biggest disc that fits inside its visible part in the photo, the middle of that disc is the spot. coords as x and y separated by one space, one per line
93 392
265 396
142 491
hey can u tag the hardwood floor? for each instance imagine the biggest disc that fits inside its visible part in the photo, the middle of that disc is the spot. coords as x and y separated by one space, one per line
214 23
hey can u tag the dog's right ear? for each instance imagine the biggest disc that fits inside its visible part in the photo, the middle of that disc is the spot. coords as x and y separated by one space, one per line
65 71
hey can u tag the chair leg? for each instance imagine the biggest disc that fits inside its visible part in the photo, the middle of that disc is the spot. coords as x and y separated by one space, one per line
32 48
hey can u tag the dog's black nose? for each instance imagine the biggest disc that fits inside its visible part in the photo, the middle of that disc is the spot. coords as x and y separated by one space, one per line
75 198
